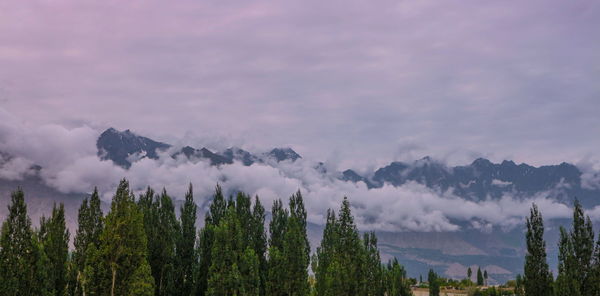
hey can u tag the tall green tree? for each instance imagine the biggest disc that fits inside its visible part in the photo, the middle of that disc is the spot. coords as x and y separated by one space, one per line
123 246
259 242
396 282
340 267
206 239
479 277
582 237
566 284
54 237
434 283
277 268
90 224
373 279
469 273
296 248
538 279
224 276
186 256
24 264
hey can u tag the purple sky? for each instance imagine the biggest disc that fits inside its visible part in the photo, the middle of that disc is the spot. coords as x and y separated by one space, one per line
360 82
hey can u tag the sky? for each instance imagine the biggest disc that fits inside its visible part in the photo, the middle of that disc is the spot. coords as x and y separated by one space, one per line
355 83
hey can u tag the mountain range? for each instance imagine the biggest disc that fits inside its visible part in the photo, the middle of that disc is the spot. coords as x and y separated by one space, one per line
500 251
477 181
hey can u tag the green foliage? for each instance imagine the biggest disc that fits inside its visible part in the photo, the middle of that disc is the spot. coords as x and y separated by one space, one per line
142 282
396 282
434 283
341 266
54 237
141 248
538 279
224 274
206 239
24 266
123 245
90 224
162 230
186 257
479 277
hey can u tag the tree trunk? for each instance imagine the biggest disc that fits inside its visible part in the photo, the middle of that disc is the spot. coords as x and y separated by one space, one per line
114 278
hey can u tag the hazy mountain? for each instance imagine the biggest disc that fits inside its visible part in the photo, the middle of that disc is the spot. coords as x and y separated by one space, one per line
482 179
197 154
125 147
120 147
241 155
282 154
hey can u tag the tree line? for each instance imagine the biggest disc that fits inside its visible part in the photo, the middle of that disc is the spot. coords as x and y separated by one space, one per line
141 247
578 259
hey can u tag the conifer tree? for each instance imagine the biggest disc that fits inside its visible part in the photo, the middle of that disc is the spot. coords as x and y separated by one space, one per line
325 257
396 283
519 289
538 279
224 276
277 268
469 273
24 264
566 284
296 249
582 237
163 266
54 237
186 252
479 277
123 245
373 279
206 239
434 284
259 242
250 271
340 258
90 225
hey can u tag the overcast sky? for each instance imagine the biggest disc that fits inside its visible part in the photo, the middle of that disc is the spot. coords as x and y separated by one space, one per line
359 82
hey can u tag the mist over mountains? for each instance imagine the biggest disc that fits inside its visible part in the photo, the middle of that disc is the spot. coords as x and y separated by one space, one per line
426 213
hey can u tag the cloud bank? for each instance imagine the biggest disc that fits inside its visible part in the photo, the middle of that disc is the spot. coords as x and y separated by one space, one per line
70 164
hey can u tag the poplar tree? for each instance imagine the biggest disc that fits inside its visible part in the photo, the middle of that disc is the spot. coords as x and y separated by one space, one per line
90 225
186 252
123 246
396 282
276 264
340 266
538 279
224 276
373 279
24 265
434 283
576 273
259 242
296 248
582 237
323 263
206 239
566 284
479 277
54 237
